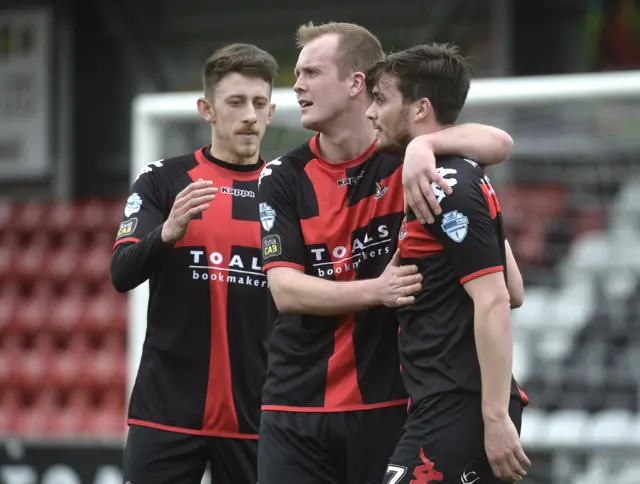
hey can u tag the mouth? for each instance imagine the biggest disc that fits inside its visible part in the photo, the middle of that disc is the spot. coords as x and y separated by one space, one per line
304 104
248 134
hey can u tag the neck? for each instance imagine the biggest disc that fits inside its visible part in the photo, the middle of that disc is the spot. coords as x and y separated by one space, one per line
223 153
347 136
428 127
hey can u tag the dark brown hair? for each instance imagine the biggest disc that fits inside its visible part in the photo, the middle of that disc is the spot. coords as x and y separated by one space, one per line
358 48
438 72
245 59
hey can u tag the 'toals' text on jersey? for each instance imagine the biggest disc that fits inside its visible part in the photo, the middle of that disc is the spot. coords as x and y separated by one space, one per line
204 355
338 222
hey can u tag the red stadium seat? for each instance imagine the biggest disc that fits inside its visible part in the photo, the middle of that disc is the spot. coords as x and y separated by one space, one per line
6 215
7 254
10 410
63 263
115 213
91 215
66 314
9 355
32 313
102 312
61 218
8 307
29 261
96 260
108 418
38 419
73 416
30 217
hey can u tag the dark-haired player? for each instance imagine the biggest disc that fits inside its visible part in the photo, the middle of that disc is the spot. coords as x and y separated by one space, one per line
334 403
455 341
191 227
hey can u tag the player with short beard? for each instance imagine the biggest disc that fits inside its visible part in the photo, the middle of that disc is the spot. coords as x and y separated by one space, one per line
196 398
455 340
334 403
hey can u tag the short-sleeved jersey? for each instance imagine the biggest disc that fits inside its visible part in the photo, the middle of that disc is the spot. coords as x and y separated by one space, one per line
436 341
337 221
209 312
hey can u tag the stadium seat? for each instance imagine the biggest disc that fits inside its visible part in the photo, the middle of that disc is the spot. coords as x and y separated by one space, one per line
61 218
609 427
96 259
33 312
30 217
91 215
533 426
10 409
9 300
38 419
66 314
566 427
108 418
73 415
62 264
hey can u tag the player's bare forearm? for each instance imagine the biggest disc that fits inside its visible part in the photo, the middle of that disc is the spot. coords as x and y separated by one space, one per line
295 292
492 327
133 263
485 144
515 283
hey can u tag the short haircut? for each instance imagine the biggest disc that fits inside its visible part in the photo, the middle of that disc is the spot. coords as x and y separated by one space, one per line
358 49
246 59
438 72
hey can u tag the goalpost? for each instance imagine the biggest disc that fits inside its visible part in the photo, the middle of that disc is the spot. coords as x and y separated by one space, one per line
571 118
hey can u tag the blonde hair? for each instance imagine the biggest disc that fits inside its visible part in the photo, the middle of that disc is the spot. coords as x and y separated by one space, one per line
358 48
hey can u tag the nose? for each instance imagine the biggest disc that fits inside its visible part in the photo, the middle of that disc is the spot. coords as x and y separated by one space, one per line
297 87
250 116
371 113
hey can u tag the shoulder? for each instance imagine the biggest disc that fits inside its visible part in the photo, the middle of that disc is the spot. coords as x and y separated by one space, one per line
166 169
287 167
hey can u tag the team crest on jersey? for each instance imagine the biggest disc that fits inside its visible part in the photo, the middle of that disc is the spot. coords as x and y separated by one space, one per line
127 227
403 229
455 225
380 191
267 216
134 202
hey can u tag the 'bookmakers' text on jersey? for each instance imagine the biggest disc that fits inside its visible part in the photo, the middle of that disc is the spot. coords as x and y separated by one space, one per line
336 221
204 355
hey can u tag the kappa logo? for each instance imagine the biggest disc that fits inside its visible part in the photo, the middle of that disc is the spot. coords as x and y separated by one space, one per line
236 192
380 190
133 205
267 216
444 172
148 168
426 473
352 180
455 225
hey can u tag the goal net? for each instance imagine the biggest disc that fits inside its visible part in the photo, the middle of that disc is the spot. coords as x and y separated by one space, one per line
570 197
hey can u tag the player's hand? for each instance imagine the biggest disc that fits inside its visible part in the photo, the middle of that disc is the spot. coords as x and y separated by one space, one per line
188 203
504 450
418 173
397 284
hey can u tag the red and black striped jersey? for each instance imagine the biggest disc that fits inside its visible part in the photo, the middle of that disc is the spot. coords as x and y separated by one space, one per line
337 221
209 312
436 341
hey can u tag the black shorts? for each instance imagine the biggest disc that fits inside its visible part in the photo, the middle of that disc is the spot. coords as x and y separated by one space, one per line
443 442
153 456
327 448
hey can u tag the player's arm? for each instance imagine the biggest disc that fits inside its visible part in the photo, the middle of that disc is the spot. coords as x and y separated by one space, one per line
284 258
485 144
472 242
515 285
150 228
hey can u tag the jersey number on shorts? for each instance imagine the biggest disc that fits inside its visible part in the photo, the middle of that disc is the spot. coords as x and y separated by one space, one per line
394 474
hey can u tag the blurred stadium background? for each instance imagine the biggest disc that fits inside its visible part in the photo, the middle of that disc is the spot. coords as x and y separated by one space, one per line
92 90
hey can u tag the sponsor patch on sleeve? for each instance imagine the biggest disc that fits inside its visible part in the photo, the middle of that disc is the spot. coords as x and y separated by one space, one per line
127 227
271 246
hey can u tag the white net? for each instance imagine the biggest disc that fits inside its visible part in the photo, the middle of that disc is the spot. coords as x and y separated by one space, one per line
570 196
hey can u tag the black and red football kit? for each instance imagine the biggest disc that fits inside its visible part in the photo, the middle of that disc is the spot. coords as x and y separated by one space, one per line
333 400
204 356
443 439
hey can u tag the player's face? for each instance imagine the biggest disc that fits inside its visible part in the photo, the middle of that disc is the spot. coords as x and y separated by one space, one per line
240 113
321 93
390 117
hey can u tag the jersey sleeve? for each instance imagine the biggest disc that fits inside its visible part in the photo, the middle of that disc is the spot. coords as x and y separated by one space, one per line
466 229
143 210
138 246
282 240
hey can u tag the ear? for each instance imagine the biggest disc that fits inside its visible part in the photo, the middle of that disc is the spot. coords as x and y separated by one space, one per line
272 111
357 84
205 108
422 109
